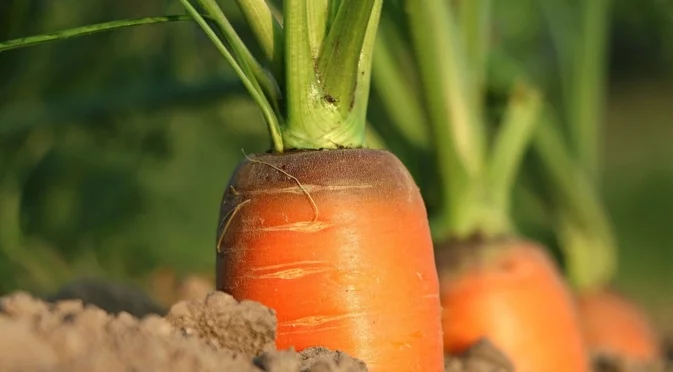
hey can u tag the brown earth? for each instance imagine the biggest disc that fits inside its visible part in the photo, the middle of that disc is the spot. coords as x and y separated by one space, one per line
70 332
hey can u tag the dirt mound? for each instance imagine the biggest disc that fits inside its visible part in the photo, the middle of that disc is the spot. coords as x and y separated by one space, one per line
216 334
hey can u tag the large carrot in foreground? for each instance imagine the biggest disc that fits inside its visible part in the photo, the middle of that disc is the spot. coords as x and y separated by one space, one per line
331 235
493 283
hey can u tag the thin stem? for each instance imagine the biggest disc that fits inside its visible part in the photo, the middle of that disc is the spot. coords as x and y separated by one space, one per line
268 32
457 131
512 140
580 214
257 95
588 85
317 17
258 76
475 21
394 89
87 30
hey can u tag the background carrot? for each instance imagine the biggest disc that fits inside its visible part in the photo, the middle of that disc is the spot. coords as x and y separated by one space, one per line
331 235
613 326
567 176
492 281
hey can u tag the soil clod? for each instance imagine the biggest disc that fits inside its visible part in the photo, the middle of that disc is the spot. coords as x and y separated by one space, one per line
483 356
215 333
610 363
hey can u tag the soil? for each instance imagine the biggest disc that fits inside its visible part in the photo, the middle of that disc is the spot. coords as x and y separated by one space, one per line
481 357
88 326
607 363
216 333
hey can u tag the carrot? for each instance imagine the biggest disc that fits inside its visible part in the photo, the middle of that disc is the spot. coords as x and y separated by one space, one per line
486 288
493 283
614 326
570 165
330 234
344 256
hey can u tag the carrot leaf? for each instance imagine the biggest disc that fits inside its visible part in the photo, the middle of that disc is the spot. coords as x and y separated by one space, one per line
583 227
457 127
475 22
393 87
317 18
268 32
87 30
587 78
259 76
240 66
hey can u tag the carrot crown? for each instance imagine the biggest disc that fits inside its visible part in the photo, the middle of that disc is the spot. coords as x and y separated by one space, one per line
314 84
448 55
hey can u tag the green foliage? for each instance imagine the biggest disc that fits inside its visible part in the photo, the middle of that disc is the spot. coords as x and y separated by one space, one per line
115 147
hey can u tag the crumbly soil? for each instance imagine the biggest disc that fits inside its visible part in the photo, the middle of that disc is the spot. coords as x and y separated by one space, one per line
216 333
481 357
88 326
609 363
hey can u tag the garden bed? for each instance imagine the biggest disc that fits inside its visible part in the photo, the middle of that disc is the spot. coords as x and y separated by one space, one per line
67 332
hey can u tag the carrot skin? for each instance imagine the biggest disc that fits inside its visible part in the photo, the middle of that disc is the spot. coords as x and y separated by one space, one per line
614 326
350 268
511 293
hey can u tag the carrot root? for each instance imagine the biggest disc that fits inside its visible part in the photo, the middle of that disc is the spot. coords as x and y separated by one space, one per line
511 293
358 277
613 326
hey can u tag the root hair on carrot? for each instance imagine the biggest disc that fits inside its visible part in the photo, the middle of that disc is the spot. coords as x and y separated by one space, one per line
227 220
295 179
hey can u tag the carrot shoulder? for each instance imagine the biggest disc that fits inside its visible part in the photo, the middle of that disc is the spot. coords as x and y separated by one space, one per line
338 243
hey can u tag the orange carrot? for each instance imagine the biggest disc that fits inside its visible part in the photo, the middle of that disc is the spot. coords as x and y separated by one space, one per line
511 293
616 327
338 243
331 235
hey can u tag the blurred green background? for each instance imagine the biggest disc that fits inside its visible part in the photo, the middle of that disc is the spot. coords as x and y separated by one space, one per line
115 148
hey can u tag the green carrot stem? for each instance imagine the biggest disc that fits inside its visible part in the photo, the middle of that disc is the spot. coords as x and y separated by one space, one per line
87 30
456 116
244 73
475 21
340 52
268 32
511 142
588 85
393 87
583 227
327 94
